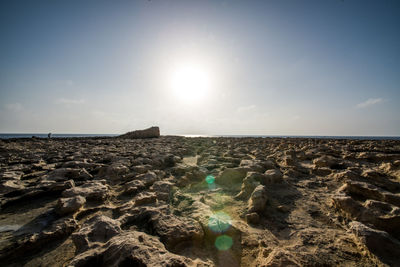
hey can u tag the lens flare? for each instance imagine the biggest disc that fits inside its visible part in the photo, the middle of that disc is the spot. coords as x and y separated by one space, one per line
219 222
223 242
210 179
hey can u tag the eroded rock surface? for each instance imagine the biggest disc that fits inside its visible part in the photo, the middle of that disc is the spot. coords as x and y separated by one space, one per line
175 201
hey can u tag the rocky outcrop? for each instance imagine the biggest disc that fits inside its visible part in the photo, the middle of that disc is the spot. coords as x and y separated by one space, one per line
175 201
152 132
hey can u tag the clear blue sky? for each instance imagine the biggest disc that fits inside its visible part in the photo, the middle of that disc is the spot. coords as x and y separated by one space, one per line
274 67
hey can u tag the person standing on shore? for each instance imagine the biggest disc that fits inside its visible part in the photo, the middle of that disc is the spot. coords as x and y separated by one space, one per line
49 135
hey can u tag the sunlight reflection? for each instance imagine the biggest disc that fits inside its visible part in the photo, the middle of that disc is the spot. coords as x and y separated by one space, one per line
219 222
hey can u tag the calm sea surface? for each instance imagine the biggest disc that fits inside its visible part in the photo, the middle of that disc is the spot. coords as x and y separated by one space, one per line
42 135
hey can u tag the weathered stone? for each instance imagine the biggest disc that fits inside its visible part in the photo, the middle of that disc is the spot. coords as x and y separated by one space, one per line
98 229
378 242
151 132
272 176
134 249
68 173
258 199
253 218
231 176
93 190
69 205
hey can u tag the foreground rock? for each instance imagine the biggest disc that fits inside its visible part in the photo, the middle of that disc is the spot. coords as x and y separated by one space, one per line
175 201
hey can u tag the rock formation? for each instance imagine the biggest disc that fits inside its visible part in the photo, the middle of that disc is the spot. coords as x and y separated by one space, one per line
152 132
175 201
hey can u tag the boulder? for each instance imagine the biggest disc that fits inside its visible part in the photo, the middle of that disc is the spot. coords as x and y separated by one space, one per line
62 174
258 199
171 229
378 242
272 176
250 182
92 190
231 176
69 205
147 178
133 248
151 132
325 161
98 229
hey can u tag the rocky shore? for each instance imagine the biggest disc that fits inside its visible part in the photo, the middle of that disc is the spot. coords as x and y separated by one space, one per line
175 201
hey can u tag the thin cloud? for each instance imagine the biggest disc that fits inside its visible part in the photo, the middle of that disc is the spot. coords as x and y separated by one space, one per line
70 101
246 108
369 102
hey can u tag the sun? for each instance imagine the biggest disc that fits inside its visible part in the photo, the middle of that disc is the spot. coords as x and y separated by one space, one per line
190 82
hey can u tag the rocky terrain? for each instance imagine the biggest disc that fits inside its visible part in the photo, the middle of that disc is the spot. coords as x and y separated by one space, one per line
175 201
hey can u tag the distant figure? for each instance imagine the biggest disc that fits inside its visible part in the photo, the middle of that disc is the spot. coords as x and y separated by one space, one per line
49 135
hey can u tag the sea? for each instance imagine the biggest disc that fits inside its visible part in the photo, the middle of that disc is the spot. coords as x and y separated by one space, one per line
61 135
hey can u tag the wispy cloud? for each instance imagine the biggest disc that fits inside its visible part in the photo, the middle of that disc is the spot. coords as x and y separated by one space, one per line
246 108
70 101
369 102
13 106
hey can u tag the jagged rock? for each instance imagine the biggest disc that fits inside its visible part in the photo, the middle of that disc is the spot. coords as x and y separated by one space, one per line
81 165
250 182
11 186
145 198
231 176
253 218
378 242
370 192
258 199
171 229
252 165
56 231
272 177
279 257
151 132
380 179
142 168
134 249
93 190
11 175
147 178
325 161
68 173
98 229
113 172
69 205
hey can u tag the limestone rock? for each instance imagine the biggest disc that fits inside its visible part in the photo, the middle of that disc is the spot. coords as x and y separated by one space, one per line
231 176
93 190
68 173
272 176
134 248
258 199
151 132
98 229
378 242
70 205
253 218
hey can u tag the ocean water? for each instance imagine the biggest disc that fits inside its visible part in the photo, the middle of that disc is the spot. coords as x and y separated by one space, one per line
43 135
305 136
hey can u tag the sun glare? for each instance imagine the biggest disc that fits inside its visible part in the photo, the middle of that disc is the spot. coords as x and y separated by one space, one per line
190 82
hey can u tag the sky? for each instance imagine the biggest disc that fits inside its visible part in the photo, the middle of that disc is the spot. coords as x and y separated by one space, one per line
240 67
